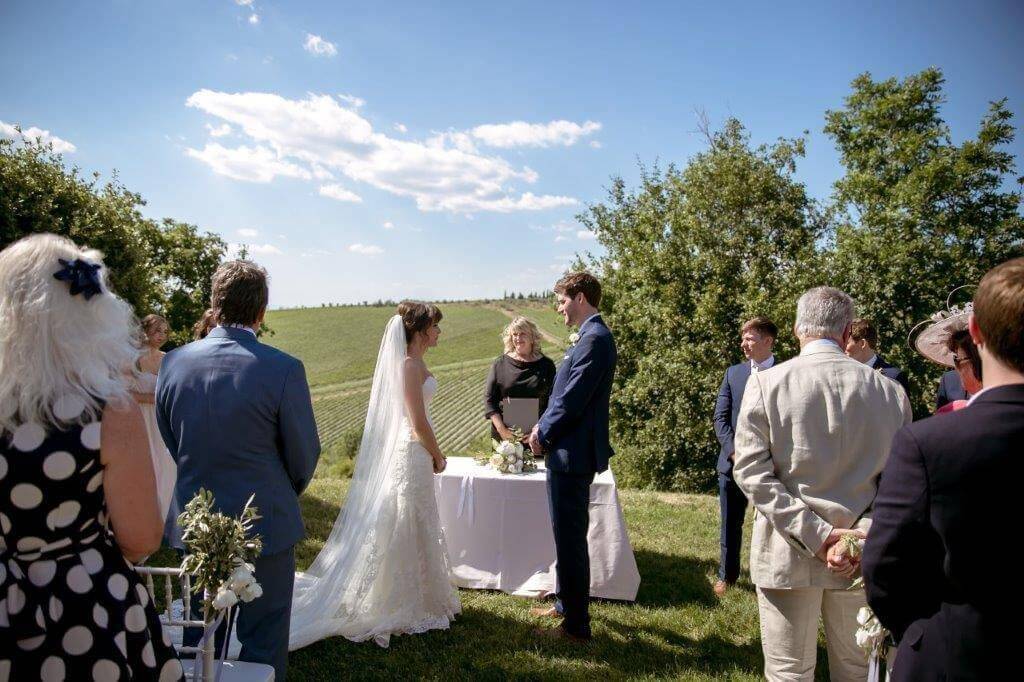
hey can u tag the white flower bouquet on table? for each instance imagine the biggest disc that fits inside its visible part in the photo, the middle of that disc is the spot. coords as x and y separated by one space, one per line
508 457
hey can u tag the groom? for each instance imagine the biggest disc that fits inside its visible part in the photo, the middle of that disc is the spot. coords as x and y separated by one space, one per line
574 433
237 418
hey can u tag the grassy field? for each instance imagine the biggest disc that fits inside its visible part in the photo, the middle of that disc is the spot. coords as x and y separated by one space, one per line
339 348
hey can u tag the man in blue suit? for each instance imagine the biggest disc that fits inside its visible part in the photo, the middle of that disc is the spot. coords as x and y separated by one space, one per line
757 337
950 388
573 432
862 347
236 416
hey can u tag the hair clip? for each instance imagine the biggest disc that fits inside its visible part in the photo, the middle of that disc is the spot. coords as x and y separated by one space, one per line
83 276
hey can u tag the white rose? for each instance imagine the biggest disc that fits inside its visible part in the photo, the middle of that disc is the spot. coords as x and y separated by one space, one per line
864 615
863 639
240 578
497 460
506 448
517 467
574 338
519 450
225 599
251 591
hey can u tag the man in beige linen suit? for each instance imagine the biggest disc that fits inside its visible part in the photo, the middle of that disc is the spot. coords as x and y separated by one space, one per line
813 435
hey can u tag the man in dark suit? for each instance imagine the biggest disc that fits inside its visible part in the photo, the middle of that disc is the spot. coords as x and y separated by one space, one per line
237 418
862 346
947 493
950 388
574 433
757 338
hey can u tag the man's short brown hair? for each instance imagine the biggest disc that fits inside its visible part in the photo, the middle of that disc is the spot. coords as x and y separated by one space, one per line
580 283
761 325
863 330
999 312
240 292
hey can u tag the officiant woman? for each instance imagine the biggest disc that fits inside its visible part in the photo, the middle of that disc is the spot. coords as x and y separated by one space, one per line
522 371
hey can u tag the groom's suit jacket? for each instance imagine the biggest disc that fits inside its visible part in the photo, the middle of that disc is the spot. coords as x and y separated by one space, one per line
727 411
237 418
812 438
943 515
574 428
893 372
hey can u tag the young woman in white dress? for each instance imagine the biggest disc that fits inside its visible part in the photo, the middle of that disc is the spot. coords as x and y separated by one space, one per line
155 329
384 570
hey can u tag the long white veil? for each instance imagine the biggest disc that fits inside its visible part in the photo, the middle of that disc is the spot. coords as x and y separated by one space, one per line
331 597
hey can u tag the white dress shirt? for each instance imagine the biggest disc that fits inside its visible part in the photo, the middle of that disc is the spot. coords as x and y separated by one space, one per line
756 366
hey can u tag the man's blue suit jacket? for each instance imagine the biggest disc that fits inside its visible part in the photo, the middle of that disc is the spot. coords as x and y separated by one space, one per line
574 428
950 389
237 418
727 411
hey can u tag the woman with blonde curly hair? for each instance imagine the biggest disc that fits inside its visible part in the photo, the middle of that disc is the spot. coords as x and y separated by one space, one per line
522 371
77 491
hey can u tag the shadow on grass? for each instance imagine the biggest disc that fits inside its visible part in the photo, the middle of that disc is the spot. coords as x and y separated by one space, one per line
483 644
668 580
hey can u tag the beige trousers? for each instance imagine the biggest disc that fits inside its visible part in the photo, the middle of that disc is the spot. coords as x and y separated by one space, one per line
789 632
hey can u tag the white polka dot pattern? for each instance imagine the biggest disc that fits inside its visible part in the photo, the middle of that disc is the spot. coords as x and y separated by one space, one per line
40 573
59 465
100 616
135 618
68 408
117 586
171 671
77 640
92 560
26 496
28 437
79 580
52 669
91 436
64 515
105 670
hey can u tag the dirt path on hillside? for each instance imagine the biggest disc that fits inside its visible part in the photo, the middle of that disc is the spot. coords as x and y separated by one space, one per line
550 338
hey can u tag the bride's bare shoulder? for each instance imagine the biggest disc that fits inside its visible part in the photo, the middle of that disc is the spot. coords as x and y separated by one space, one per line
414 367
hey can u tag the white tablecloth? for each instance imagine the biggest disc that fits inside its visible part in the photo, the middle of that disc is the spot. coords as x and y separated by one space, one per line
499 534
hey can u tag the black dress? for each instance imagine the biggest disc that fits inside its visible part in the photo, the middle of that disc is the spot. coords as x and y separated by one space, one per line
71 606
511 378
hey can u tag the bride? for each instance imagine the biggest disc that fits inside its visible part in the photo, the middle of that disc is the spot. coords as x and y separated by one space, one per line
384 569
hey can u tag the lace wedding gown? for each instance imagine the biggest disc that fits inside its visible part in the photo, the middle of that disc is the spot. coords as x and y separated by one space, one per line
385 569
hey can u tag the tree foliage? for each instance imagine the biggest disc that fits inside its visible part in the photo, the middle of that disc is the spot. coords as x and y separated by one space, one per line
691 254
917 215
162 267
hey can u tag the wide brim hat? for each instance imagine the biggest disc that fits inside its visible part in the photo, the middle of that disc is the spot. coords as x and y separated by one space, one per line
931 341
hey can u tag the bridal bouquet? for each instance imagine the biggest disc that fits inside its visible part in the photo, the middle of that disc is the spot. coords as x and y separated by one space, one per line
220 553
509 457
874 639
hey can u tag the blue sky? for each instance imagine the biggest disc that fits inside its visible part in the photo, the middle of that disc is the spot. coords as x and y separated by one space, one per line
386 150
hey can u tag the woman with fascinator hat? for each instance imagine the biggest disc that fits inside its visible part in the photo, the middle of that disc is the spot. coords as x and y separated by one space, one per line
78 498
946 341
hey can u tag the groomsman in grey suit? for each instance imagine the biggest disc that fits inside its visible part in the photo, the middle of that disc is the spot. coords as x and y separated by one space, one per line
237 418
812 438
757 337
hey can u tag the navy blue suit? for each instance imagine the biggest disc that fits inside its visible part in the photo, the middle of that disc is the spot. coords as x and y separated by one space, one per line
944 511
236 416
574 433
950 389
732 503
893 372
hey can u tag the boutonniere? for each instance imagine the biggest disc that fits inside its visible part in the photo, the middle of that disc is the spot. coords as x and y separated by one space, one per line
574 338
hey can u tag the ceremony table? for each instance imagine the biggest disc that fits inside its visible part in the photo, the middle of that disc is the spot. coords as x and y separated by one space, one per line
499 536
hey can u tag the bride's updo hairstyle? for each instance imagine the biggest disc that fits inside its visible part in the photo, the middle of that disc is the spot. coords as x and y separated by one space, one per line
418 317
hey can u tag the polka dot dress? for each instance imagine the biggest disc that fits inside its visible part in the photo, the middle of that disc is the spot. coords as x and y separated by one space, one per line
71 606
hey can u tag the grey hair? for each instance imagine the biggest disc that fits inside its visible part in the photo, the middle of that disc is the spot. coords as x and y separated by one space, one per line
62 357
823 312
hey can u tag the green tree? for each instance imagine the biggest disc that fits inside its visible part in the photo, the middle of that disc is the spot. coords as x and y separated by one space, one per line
691 254
161 267
917 215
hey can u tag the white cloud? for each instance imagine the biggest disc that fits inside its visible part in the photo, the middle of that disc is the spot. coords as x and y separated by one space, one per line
315 253
388 225
254 18
252 164
231 57
400 127
366 249
586 235
248 233
244 3
317 45
523 134
561 238
352 100
595 144
31 134
339 193
254 250
311 136
218 131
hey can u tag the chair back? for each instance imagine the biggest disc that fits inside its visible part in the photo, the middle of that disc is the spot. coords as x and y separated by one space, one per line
172 576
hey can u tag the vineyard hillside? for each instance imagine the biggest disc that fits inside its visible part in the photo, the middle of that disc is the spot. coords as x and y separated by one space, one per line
339 348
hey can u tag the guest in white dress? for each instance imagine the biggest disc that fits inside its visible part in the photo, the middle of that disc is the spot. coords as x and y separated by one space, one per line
155 330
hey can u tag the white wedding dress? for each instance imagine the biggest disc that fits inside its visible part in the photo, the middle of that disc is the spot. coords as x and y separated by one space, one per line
384 570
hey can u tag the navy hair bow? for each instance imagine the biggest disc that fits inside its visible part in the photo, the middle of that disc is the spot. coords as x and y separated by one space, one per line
83 276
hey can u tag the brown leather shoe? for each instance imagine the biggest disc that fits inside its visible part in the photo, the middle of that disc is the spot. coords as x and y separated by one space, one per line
721 587
545 612
560 633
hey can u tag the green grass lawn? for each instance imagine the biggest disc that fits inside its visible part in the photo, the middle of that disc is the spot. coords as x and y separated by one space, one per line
676 629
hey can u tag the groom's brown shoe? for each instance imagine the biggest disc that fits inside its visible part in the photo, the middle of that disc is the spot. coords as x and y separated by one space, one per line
545 612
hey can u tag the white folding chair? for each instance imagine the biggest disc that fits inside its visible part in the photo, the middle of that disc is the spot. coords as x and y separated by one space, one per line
233 671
